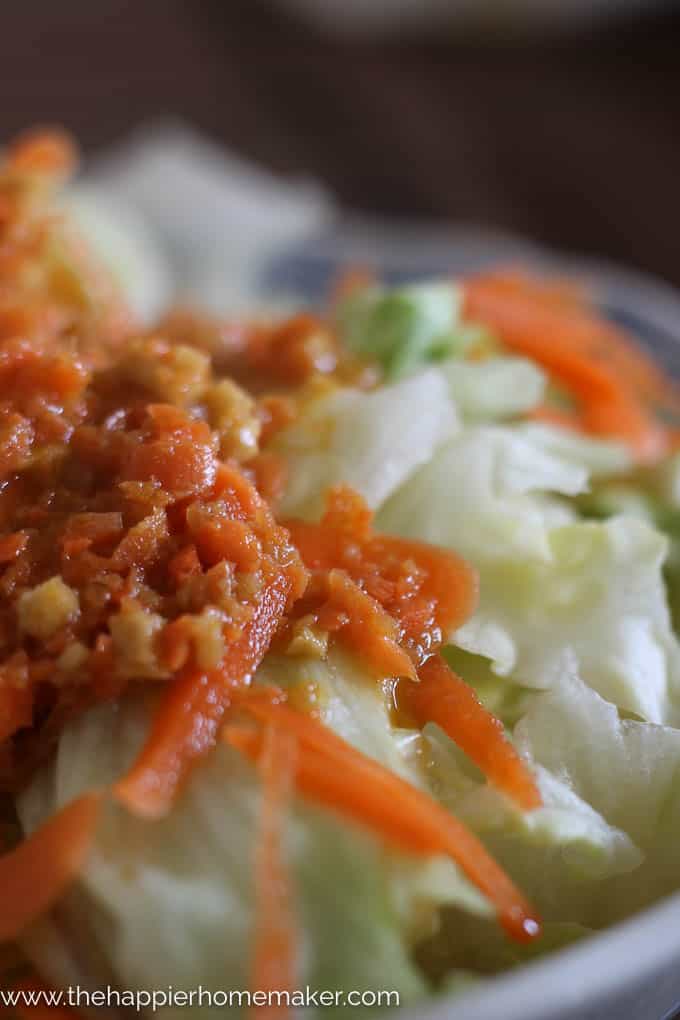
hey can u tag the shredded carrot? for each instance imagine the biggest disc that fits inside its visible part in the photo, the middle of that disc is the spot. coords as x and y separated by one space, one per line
185 728
337 775
612 381
294 351
275 947
554 416
184 564
428 592
443 698
361 620
435 597
588 333
35 874
43 151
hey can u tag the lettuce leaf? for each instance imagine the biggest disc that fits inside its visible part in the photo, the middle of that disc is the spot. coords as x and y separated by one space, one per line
402 328
627 770
349 700
371 441
598 603
494 388
126 247
589 848
599 457
481 494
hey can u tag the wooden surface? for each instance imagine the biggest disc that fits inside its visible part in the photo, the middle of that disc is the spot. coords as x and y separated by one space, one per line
576 144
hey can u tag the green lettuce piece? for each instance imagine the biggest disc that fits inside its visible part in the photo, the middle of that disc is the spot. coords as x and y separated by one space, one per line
599 457
653 495
494 388
566 839
598 603
348 699
125 246
616 498
663 481
483 494
551 585
371 441
627 770
403 328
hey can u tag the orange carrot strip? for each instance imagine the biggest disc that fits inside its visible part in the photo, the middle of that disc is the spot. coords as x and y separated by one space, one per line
336 774
43 151
443 698
275 948
35 874
588 333
185 728
554 416
564 345
368 627
442 588
452 583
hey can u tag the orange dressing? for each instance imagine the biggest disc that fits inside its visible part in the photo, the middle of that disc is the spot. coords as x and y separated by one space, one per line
406 593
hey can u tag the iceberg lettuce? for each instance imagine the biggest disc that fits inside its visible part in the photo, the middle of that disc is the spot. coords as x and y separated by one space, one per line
589 847
479 494
597 602
372 441
127 247
402 328
493 388
599 457
349 700
627 770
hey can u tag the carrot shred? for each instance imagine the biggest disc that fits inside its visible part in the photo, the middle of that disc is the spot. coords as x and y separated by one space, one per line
275 945
186 726
43 151
362 621
588 333
443 698
335 774
35 874
427 591
613 382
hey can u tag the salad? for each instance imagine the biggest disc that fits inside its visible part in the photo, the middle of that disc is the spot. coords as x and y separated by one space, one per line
337 652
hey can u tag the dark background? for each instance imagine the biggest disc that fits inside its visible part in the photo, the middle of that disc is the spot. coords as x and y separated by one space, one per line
574 142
